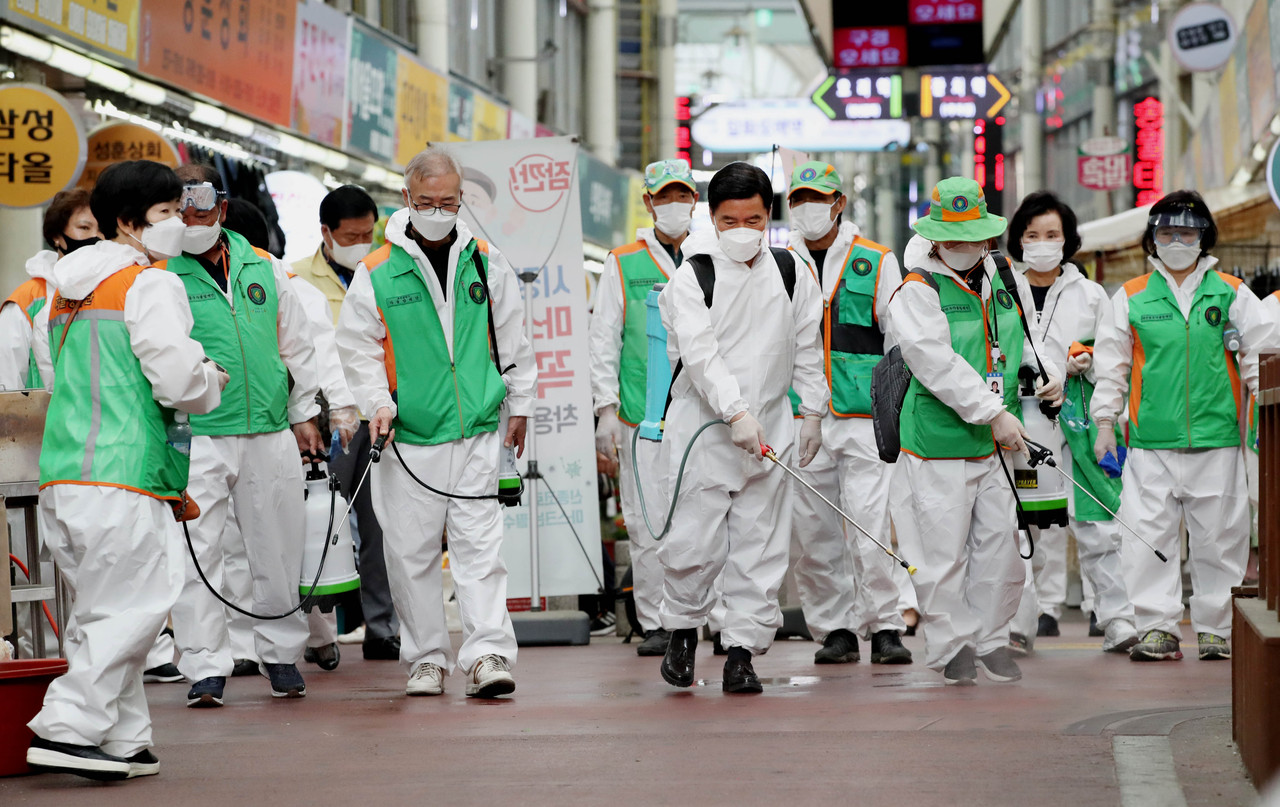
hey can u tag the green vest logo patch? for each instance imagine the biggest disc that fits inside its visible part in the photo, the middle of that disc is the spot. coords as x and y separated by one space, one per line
861 267
1003 298
404 299
478 292
1213 316
257 295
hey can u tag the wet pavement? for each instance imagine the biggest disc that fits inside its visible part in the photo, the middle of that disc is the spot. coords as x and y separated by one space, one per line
596 725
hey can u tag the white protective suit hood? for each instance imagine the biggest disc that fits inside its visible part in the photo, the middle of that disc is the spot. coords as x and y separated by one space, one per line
83 270
40 265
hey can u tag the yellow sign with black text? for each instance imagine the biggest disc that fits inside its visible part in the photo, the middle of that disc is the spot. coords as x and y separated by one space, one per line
42 145
108 26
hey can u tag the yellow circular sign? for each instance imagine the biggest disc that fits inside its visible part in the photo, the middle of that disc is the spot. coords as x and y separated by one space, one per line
118 141
42 145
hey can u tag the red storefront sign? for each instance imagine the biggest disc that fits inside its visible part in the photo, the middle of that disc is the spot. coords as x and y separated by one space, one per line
1148 150
871 47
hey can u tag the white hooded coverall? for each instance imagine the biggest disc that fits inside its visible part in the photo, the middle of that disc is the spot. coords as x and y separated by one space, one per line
17 331
413 519
120 552
734 512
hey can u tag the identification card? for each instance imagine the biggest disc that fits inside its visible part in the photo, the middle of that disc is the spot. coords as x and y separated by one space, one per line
995 381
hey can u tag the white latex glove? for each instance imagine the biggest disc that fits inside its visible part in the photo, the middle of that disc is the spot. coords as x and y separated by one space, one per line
223 377
1106 442
747 434
1010 433
609 432
345 420
1079 363
1051 390
810 439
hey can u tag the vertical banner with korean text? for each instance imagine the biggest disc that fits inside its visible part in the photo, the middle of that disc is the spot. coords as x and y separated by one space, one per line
320 72
371 93
527 205
422 108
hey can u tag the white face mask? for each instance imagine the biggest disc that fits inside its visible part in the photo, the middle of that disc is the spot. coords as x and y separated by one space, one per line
434 224
962 259
1043 256
673 219
349 257
812 219
200 238
741 243
163 240
1178 256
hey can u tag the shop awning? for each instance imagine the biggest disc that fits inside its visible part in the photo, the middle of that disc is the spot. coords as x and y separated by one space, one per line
1125 229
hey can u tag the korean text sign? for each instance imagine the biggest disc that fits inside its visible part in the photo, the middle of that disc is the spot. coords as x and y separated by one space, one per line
422 108
107 26
371 94
320 72
42 145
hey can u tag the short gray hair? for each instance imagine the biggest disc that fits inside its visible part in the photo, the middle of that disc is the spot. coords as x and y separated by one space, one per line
433 161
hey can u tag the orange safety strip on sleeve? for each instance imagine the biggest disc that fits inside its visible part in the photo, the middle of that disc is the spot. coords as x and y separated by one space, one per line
30 291
378 257
388 353
1135 373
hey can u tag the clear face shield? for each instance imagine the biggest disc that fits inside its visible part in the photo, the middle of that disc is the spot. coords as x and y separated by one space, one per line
1184 226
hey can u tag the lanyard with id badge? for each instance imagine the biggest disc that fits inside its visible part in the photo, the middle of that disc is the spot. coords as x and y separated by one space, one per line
995 376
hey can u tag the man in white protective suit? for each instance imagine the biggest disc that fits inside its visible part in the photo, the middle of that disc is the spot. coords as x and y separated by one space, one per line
427 321
742 328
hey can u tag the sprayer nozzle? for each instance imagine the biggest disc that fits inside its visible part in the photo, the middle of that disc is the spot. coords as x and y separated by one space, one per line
911 570
1161 556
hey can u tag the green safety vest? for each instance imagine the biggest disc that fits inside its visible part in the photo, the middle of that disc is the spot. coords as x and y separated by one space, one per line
445 399
1184 385
929 428
104 426
638 272
851 334
30 297
242 335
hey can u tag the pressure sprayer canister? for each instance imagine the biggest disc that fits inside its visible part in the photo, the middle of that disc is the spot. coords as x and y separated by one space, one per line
339 576
509 484
658 381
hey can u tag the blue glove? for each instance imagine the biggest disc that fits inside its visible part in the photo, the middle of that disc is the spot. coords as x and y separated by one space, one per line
1113 466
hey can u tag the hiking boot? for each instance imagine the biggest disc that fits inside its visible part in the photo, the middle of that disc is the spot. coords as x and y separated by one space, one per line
654 644
1020 644
886 648
960 670
88 761
739 676
1047 626
604 624
206 693
245 666
326 657
1000 666
427 679
1213 648
163 674
143 763
490 677
1120 636
286 681
1157 645
840 647
678 661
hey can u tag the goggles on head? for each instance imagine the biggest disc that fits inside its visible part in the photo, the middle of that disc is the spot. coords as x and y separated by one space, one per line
203 197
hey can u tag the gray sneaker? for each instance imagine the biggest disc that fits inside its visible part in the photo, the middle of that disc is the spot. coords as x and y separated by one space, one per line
960 670
1213 648
1020 643
1157 645
1000 666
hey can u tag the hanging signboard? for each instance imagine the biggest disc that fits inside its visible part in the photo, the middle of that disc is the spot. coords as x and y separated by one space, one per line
240 54
320 72
42 145
1102 163
489 119
371 93
1202 37
422 108
462 108
119 141
105 26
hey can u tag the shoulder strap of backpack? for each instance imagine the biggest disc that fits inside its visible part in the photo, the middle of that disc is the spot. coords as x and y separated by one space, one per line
493 333
1005 270
787 267
705 271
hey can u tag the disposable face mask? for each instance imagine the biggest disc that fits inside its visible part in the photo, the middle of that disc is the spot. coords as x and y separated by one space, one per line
163 240
812 219
1178 256
673 219
741 243
433 225
1043 256
962 259
200 238
349 257
76 243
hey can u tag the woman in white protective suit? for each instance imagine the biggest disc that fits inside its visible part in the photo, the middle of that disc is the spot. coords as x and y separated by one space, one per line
1167 344
1068 309
953 504
110 481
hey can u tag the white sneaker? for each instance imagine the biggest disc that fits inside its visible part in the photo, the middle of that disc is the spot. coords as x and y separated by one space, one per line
427 679
490 678
1119 637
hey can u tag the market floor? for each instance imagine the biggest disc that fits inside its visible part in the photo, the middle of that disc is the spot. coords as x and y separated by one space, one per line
596 725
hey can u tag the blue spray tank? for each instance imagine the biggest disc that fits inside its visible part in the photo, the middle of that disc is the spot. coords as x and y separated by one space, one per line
658 382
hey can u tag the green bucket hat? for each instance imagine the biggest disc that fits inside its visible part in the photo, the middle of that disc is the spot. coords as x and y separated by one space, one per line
662 173
817 176
958 212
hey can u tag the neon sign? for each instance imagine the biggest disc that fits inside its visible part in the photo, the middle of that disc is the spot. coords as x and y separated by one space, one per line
1148 150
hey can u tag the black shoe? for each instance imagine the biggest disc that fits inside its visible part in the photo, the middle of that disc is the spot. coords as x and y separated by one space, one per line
961 669
381 648
717 649
654 644
1094 630
1048 626
206 693
678 661
143 763
840 647
163 674
326 657
286 681
245 666
886 648
1000 666
88 761
739 677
